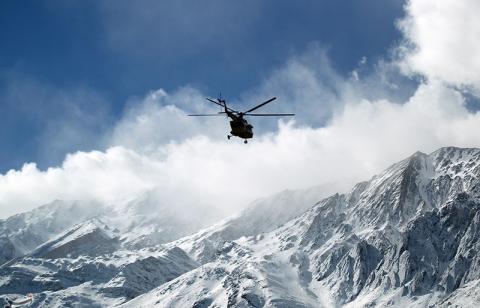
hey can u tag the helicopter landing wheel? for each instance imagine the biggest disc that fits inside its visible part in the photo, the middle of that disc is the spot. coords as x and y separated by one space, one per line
228 136
245 141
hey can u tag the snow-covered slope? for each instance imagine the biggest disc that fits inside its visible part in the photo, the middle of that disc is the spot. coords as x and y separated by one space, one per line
261 216
148 221
87 281
22 233
409 236
141 222
92 237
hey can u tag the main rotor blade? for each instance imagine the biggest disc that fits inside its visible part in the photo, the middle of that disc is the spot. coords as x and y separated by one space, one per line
270 114
205 115
215 102
262 104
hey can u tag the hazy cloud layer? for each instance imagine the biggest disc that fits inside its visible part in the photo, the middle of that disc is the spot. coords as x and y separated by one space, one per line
342 134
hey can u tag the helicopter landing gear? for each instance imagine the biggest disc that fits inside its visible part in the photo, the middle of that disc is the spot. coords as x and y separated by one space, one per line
228 136
245 141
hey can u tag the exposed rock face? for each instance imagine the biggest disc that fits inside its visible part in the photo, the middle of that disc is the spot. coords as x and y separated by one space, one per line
7 250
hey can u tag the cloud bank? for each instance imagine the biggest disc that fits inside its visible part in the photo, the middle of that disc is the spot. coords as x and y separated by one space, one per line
342 134
442 40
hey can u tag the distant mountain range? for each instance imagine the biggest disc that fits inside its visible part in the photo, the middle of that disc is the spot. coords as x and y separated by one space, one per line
407 237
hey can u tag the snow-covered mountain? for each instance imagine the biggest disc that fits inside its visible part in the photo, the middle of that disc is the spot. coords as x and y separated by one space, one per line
409 236
93 281
84 259
21 233
141 222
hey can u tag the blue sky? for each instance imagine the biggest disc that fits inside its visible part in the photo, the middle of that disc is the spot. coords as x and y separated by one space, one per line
79 62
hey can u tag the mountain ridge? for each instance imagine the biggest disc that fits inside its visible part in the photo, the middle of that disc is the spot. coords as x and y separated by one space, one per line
421 203
407 236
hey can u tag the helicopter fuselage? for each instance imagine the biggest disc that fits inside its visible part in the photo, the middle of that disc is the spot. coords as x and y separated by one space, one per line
241 128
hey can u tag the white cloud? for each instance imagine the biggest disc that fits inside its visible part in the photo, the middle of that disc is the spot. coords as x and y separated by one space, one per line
443 37
359 141
306 85
111 176
161 118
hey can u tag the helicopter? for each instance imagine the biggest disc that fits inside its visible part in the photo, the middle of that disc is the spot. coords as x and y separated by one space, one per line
240 127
